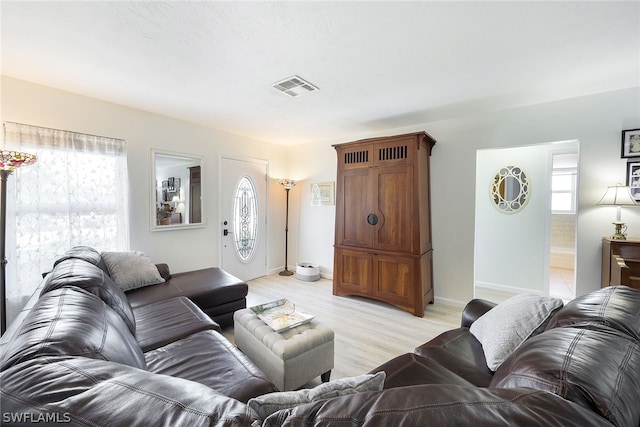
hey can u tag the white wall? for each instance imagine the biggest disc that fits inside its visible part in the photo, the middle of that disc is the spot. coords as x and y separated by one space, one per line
313 163
183 250
596 121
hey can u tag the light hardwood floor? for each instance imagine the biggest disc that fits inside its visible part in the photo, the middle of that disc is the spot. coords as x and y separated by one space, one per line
367 332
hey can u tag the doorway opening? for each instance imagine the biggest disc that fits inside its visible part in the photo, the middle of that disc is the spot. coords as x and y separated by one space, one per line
517 251
562 256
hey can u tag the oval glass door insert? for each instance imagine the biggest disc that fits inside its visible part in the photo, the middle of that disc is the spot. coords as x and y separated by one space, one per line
245 219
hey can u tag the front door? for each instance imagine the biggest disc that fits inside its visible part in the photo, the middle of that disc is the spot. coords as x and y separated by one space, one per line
244 208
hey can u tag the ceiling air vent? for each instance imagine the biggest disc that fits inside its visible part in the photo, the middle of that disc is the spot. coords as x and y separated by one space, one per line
294 86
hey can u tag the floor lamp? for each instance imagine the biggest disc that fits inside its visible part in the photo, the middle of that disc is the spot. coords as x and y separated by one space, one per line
9 160
288 185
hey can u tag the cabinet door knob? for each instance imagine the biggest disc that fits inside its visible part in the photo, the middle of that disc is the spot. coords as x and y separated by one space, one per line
372 219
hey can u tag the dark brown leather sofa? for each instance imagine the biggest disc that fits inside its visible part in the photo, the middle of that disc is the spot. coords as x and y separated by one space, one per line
216 292
80 354
583 370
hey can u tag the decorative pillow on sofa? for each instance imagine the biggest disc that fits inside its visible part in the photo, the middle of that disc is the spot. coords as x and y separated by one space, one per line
268 404
131 270
503 328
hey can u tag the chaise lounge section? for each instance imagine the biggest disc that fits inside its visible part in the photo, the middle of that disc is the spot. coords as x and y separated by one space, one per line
217 293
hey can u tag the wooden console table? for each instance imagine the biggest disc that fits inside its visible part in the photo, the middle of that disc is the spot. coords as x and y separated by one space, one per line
621 262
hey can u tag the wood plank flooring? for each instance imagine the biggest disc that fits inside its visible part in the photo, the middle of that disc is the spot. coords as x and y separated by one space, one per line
367 332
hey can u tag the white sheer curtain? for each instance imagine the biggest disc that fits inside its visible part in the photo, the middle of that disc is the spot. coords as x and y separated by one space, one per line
75 194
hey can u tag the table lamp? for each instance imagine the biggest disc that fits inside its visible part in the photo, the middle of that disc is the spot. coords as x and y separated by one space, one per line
618 195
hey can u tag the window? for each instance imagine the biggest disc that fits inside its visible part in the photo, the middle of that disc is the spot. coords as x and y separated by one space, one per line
75 194
564 184
245 221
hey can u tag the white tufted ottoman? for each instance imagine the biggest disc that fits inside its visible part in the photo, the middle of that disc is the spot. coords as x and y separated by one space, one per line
289 359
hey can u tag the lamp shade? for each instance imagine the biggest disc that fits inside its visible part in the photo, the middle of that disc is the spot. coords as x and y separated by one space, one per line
618 195
287 183
10 160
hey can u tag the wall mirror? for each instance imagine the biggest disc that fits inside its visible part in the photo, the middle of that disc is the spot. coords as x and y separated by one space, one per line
176 190
510 189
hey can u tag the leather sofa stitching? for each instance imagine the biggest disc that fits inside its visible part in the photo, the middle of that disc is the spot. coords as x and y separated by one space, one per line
93 379
54 321
566 364
632 348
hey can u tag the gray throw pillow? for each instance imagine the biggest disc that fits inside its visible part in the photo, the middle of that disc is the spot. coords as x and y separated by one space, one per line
507 325
268 404
131 270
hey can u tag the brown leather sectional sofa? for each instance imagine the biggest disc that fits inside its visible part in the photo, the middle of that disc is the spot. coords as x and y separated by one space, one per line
583 370
81 355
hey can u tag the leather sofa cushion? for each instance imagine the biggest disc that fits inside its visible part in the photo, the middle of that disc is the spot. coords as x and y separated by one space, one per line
208 287
208 358
93 392
85 253
613 306
162 322
461 353
82 274
439 405
73 322
410 369
597 369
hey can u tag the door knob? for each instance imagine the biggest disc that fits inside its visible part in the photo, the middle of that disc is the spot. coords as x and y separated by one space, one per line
226 232
372 219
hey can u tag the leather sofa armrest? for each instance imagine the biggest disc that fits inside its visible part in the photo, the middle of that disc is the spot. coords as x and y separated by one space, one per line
163 269
473 310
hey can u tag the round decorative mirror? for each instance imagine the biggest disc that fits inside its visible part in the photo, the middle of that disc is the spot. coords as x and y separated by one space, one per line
510 190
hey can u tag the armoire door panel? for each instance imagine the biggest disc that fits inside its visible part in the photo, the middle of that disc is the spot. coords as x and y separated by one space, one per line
394 201
397 152
394 278
356 157
354 272
355 229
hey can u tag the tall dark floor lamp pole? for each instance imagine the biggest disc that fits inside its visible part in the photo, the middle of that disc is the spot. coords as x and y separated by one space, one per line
287 184
9 160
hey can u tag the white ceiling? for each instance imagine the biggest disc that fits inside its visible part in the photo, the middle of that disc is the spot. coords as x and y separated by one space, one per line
379 65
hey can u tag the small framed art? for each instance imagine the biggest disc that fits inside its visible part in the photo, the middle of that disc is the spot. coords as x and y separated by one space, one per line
630 143
322 194
633 179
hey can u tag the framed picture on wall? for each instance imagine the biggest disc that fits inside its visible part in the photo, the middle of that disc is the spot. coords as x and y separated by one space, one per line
633 179
322 194
630 143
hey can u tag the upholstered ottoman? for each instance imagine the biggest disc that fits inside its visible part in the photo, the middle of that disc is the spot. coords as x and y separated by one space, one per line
289 359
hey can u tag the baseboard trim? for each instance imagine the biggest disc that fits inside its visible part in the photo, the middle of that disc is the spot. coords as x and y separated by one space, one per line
508 289
324 275
449 302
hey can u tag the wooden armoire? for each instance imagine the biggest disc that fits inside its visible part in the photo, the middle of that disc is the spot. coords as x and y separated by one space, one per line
383 222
